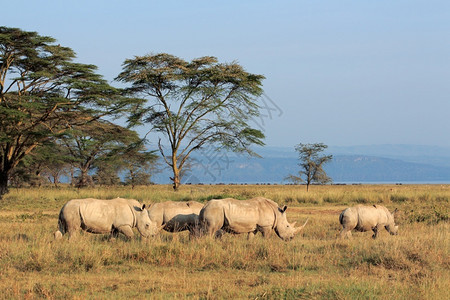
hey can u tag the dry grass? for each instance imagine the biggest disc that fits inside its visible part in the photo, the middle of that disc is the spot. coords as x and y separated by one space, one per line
415 264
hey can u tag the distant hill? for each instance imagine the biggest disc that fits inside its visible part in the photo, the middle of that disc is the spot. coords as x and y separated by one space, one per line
360 164
358 168
432 155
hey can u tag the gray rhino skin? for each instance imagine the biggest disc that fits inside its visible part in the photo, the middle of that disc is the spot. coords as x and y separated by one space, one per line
176 216
365 218
104 216
246 216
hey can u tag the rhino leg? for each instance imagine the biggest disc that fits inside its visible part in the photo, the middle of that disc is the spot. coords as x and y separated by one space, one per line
375 232
114 234
73 224
126 230
194 231
73 233
73 230
264 231
218 234
345 233
251 235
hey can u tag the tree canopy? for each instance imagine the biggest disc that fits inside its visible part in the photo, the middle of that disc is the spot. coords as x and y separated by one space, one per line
43 92
194 104
311 164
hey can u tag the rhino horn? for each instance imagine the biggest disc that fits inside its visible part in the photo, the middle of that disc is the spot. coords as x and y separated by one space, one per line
298 229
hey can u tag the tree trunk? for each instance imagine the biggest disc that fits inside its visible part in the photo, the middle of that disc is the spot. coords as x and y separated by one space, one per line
84 179
132 179
176 171
176 178
3 183
72 176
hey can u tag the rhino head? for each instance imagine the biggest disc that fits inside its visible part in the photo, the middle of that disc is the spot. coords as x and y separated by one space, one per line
391 227
144 224
285 230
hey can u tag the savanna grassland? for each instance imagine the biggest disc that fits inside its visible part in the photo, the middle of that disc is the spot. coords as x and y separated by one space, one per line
315 265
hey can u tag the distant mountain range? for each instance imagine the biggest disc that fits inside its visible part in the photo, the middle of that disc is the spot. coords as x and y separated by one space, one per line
356 164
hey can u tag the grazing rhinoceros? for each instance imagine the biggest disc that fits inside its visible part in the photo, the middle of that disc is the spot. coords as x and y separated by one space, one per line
246 216
365 218
176 216
105 216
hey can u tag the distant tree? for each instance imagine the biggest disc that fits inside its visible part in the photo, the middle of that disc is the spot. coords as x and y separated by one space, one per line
106 174
139 165
92 143
26 173
311 163
51 161
194 104
42 93
55 168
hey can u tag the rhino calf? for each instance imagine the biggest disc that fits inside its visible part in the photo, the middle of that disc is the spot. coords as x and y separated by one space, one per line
365 218
175 216
246 216
104 216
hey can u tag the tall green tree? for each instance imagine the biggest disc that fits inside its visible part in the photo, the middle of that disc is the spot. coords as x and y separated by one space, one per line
194 104
43 93
311 164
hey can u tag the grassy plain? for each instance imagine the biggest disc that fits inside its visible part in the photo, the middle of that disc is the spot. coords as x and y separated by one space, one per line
315 265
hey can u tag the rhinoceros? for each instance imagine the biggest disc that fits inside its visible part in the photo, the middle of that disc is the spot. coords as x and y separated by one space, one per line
365 218
105 216
246 216
176 216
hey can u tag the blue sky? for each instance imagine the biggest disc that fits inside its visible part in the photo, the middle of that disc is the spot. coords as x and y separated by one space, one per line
339 72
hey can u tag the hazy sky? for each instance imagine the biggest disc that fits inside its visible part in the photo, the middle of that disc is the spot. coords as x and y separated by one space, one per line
338 72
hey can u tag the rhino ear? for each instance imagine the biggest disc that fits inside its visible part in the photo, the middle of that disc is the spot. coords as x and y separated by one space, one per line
282 210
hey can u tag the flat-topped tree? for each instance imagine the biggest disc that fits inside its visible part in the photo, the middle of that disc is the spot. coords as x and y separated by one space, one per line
195 104
311 164
42 93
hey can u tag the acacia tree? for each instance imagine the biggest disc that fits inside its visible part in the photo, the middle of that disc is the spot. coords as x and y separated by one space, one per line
49 161
311 163
42 93
57 162
193 104
106 174
139 165
91 143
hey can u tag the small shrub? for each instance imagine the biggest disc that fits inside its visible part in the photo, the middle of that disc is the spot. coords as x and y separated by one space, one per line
361 200
332 199
430 216
289 200
262 253
398 198
286 293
